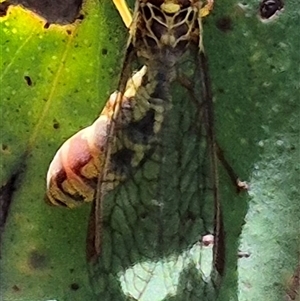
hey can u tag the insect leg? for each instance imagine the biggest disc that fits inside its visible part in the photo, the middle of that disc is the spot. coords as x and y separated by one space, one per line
240 185
219 245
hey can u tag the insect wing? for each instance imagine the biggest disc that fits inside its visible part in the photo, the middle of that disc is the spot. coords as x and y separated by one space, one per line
152 223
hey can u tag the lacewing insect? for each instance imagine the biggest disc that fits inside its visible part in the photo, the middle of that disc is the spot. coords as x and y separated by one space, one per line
149 163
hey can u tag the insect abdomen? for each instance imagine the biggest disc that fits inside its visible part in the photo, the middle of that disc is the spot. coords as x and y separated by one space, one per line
73 172
110 149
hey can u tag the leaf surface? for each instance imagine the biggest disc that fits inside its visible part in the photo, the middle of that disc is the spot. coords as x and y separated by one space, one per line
54 81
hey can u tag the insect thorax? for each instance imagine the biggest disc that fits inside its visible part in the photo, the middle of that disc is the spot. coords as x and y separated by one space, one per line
165 29
162 34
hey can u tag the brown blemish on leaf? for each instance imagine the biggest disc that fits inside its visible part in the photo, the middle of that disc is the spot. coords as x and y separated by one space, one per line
16 288
53 11
37 260
5 150
6 194
104 51
224 24
74 286
56 124
3 8
292 292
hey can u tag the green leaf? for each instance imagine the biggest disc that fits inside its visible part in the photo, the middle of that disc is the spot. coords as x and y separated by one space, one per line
255 73
73 69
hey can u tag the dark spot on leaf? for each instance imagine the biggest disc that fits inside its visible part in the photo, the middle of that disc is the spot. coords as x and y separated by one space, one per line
28 80
191 216
143 215
47 25
16 288
53 11
104 51
3 8
4 147
224 24
80 17
74 286
268 8
56 124
37 260
50 70
69 32
71 270
6 197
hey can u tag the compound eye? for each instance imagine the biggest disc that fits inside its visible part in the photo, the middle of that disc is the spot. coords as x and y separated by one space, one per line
268 8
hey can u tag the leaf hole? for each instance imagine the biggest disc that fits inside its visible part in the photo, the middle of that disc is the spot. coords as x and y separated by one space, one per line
56 124
74 286
143 215
80 17
16 288
4 147
3 8
37 260
28 80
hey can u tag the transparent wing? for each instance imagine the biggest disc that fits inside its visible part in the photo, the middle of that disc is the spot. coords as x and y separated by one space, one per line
152 223
150 164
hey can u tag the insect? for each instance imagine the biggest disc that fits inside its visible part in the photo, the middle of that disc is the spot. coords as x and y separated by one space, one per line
149 163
